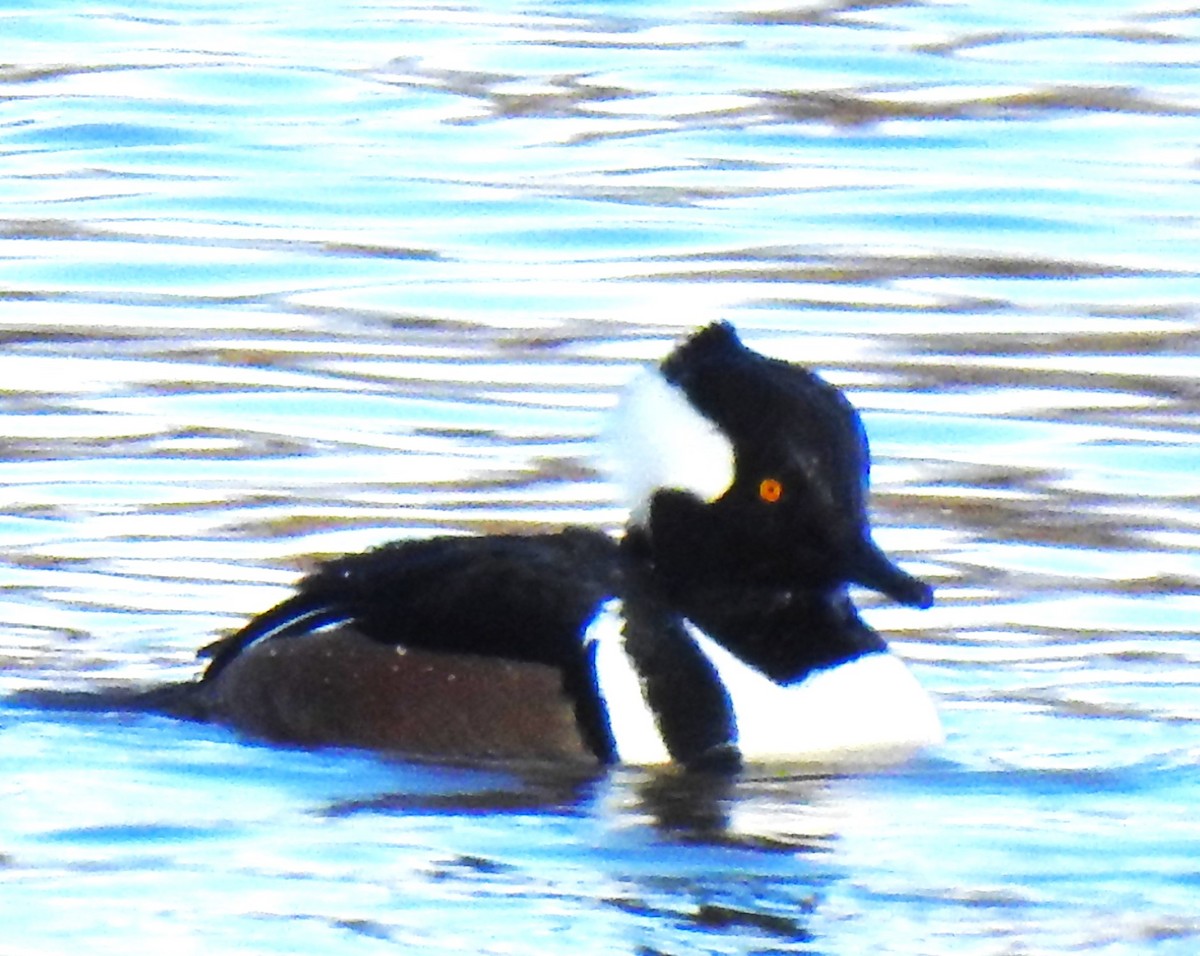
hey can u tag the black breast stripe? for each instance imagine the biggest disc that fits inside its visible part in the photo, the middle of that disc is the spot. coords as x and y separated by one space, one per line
694 713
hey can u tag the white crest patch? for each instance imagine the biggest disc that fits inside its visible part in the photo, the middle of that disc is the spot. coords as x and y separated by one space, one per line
661 442
632 722
866 709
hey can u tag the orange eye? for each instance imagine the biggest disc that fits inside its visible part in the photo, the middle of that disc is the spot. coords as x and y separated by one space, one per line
770 490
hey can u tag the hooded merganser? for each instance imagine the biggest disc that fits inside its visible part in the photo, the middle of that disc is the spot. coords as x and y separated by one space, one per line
717 631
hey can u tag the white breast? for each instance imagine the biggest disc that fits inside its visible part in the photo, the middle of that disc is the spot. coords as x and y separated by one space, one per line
632 723
867 709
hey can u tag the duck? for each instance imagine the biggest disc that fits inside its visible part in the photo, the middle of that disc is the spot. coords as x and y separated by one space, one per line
718 630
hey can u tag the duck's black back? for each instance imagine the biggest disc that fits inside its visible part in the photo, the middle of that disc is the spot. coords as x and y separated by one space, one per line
521 597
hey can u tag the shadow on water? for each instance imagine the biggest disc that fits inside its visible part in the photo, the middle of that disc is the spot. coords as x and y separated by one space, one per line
701 853
684 807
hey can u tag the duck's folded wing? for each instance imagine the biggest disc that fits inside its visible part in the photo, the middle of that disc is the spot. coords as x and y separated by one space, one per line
522 597
299 615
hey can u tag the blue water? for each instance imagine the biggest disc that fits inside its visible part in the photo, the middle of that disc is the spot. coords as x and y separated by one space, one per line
279 282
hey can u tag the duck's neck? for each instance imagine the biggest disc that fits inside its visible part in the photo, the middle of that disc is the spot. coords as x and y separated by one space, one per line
785 634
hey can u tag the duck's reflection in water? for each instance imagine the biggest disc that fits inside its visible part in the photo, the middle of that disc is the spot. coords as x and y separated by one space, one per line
675 855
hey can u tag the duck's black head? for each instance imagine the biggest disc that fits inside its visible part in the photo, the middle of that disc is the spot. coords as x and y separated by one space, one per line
746 472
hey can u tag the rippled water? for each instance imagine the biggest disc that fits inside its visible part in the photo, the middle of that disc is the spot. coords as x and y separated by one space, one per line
278 282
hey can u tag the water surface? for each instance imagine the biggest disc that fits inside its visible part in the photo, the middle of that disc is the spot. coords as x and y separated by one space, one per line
279 282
